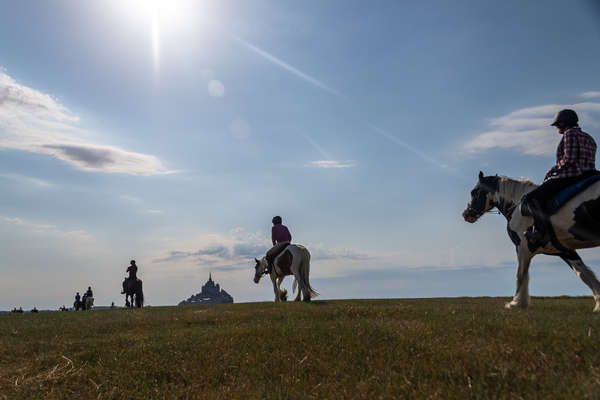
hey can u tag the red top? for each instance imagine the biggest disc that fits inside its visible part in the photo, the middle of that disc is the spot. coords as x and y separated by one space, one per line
575 155
280 233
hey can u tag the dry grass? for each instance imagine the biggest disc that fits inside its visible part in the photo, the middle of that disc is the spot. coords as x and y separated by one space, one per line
364 349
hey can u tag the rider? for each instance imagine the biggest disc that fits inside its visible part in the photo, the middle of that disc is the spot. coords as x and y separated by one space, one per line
77 298
575 160
281 237
89 293
132 269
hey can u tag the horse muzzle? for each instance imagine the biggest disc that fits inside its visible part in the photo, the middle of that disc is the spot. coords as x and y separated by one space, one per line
470 215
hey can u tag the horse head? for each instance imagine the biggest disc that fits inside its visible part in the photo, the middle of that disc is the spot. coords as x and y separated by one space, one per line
259 269
481 200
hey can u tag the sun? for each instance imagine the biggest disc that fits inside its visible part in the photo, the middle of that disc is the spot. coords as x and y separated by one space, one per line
165 11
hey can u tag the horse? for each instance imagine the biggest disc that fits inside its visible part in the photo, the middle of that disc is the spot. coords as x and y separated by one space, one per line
575 225
293 260
87 302
134 295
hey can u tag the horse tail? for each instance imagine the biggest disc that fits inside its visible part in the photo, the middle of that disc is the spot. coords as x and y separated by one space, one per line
294 285
305 271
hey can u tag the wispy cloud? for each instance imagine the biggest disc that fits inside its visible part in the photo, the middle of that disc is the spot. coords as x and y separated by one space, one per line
26 179
590 95
528 130
317 147
139 204
407 146
280 63
332 164
36 122
45 229
328 161
239 248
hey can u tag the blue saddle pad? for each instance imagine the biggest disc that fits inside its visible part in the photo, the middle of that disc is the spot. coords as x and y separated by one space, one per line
567 194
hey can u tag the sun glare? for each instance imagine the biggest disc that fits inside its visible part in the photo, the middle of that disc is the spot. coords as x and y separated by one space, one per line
161 17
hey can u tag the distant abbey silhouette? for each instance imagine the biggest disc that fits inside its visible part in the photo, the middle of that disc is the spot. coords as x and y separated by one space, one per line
211 293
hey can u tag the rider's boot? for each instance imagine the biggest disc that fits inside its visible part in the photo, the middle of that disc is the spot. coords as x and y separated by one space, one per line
538 234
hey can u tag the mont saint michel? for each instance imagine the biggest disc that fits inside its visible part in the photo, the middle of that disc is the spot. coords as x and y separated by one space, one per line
211 293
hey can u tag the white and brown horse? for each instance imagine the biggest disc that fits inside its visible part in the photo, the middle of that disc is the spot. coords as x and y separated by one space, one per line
576 225
293 260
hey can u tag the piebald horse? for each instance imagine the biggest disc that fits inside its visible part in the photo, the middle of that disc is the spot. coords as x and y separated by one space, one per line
294 260
576 225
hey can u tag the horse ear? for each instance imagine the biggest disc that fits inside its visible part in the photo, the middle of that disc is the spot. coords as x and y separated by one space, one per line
256 259
480 175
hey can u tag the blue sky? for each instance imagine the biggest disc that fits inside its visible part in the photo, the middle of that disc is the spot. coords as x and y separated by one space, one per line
172 132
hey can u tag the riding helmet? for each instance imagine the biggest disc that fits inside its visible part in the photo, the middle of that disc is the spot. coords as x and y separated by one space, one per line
565 117
276 220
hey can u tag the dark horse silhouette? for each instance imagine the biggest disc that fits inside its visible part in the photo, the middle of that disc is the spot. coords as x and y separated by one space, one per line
134 295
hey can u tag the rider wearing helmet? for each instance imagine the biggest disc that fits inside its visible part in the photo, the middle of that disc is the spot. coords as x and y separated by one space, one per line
281 237
575 160
132 269
89 292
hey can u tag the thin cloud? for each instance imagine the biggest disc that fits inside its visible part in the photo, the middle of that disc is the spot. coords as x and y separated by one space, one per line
590 95
314 144
45 229
238 249
26 179
528 131
332 164
321 85
315 82
328 161
36 122
407 146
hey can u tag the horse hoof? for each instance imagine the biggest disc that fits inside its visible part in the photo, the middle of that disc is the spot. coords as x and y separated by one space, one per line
511 305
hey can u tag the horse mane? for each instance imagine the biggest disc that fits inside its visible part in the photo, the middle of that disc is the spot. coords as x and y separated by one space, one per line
511 189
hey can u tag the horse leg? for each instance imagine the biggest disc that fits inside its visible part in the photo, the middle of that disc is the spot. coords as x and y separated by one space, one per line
585 273
282 293
275 288
298 296
302 287
521 298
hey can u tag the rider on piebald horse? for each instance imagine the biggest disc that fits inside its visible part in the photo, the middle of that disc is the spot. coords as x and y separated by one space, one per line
132 270
575 161
281 238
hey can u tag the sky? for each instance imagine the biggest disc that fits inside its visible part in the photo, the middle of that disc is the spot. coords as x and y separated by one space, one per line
171 132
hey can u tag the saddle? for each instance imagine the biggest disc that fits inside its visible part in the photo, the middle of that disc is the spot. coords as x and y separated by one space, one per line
567 194
562 197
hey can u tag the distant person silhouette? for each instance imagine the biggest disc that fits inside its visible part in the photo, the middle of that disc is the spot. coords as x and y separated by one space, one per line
89 292
281 237
77 297
132 269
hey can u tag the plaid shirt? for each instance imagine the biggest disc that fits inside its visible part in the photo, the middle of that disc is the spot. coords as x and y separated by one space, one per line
575 155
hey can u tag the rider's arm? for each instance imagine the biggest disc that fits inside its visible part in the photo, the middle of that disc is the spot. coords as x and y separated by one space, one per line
273 235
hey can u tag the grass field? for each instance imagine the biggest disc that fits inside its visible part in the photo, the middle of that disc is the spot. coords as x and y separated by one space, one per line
363 349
